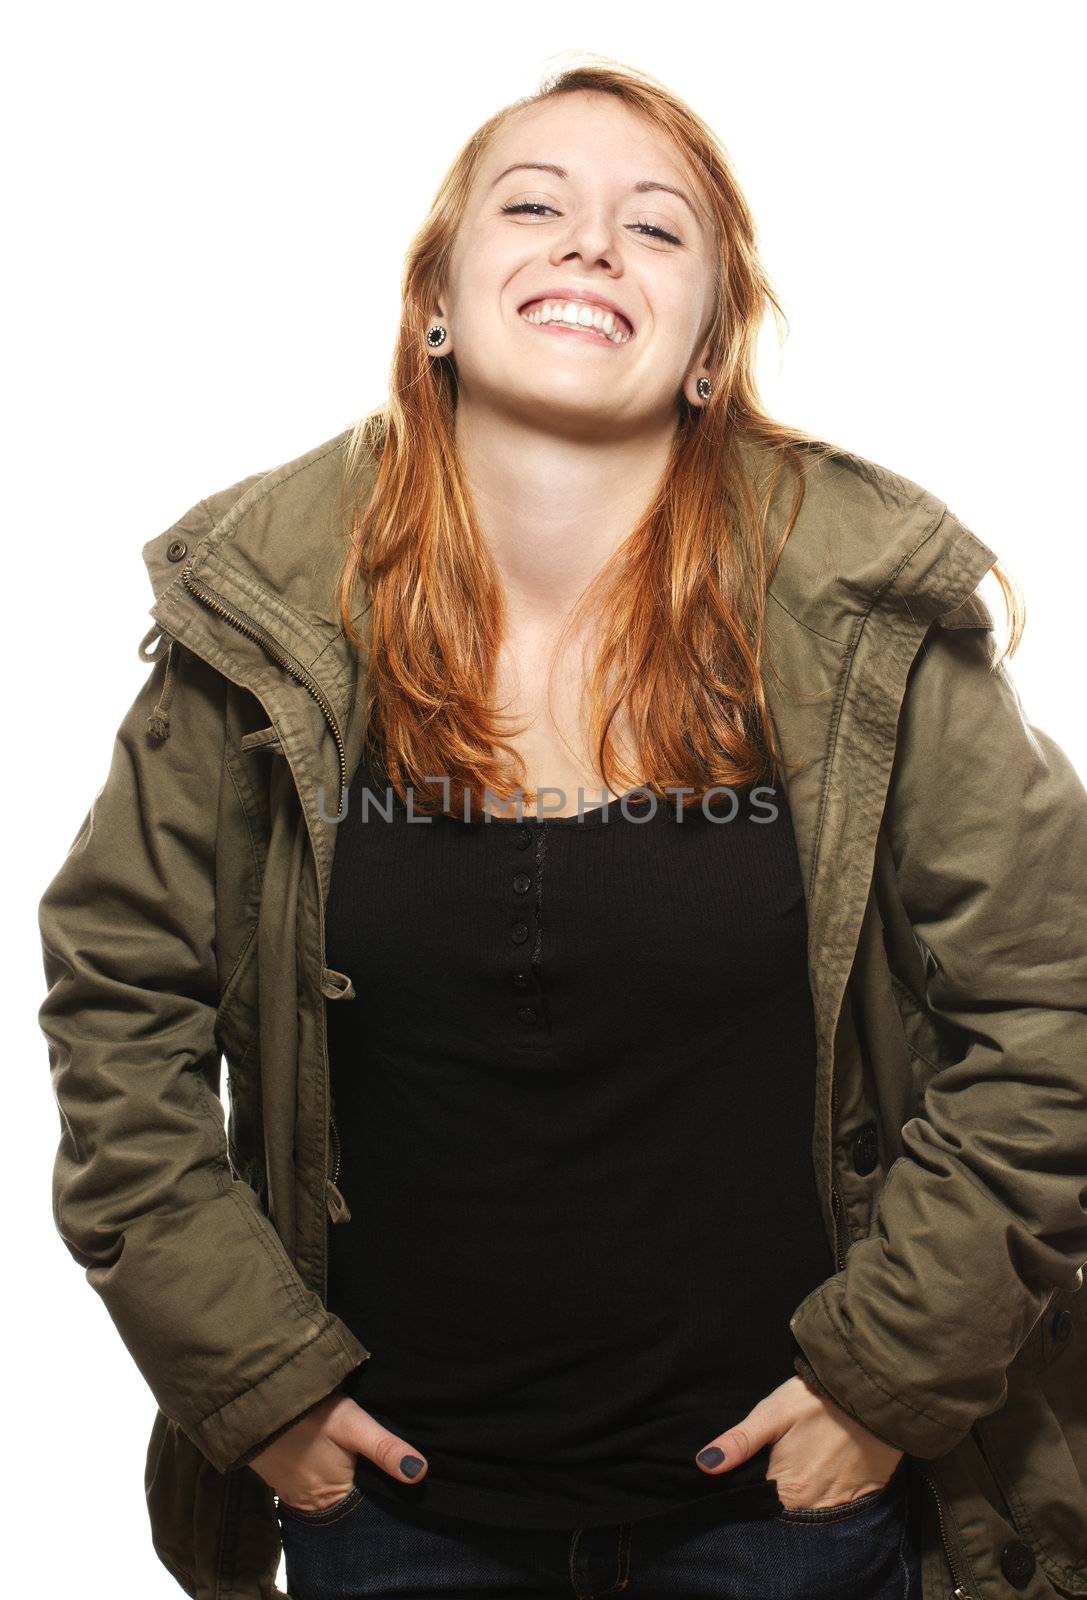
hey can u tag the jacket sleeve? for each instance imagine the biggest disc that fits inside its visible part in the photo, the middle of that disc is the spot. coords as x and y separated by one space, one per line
231 1341
983 1216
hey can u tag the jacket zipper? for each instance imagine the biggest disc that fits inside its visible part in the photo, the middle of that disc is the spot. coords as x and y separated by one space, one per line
835 1197
335 1203
336 1151
960 1591
247 625
836 1208
337 1206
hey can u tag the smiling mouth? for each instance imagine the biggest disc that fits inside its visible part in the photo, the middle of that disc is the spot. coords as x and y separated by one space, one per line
578 317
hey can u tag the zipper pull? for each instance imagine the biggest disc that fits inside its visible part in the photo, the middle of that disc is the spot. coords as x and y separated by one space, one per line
338 1208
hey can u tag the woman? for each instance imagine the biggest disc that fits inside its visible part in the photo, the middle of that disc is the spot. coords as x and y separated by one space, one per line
692 1227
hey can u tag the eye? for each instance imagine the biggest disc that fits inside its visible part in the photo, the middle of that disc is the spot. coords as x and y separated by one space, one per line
537 206
659 233
526 205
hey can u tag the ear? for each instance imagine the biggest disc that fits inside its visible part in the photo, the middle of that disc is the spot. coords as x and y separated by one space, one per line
699 368
443 346
691 382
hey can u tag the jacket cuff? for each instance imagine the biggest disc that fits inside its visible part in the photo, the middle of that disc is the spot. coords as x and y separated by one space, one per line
844 1375
239 1430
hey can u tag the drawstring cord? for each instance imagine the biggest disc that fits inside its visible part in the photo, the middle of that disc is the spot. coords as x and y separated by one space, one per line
158 723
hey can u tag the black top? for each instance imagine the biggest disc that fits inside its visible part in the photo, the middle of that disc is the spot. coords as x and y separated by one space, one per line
574 1098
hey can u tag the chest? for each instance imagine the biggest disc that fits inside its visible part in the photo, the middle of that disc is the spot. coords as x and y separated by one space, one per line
545 694
627 913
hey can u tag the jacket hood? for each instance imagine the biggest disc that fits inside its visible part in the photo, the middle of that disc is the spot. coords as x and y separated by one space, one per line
274 542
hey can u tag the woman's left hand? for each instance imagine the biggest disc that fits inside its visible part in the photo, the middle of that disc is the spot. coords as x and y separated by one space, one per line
820 1456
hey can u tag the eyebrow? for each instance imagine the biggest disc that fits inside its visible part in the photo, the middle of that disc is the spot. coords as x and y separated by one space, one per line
646 186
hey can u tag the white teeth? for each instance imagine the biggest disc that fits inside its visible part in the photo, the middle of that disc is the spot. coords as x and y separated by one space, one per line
578 314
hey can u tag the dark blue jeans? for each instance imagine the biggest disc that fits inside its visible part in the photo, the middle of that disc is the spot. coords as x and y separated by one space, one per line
868 1549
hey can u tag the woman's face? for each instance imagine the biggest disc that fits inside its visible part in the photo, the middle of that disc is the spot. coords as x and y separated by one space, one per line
536 234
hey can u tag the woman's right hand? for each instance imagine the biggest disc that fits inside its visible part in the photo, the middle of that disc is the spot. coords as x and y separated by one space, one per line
312 1465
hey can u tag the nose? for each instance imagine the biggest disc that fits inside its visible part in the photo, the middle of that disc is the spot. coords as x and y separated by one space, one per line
591 237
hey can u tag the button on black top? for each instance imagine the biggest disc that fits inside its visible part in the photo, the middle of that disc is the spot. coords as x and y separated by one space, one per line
522 883
556 1332
522 837
519 932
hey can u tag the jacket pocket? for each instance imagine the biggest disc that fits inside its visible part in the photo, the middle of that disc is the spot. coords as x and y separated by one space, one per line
1036 1444
261 739
927 1038
206 1524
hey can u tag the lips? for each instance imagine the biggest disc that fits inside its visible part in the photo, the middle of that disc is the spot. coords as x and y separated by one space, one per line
580 298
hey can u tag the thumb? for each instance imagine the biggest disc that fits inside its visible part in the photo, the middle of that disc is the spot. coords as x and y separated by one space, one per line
394 1455
730 1449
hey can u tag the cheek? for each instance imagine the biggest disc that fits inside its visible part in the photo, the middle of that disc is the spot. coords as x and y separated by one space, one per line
478 324
487 266
688 294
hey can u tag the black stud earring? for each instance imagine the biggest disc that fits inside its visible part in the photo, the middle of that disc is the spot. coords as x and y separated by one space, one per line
435 336
705 388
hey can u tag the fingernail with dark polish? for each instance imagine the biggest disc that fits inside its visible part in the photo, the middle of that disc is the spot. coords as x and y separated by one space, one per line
711 1456
411 1466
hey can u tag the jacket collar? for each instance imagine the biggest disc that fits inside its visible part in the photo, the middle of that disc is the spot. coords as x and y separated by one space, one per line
272 548
873 556
272 557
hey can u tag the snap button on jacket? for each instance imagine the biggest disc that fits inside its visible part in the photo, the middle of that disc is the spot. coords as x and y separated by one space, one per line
943 843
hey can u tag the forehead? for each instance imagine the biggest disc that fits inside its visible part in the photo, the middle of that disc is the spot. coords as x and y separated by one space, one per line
584 133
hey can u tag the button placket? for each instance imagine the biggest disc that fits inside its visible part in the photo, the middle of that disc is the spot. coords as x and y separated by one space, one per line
521 978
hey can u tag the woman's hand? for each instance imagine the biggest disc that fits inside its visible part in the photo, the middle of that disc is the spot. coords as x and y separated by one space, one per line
312 1465
820 1456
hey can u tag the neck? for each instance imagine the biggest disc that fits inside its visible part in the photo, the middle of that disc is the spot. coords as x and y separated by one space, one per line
553 507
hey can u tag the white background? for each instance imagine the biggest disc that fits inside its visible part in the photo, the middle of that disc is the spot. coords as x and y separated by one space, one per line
208 210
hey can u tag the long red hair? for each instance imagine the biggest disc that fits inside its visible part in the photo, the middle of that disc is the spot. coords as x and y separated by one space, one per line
678 609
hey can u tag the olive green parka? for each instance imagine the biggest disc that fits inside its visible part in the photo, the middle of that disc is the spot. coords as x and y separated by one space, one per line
943 842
